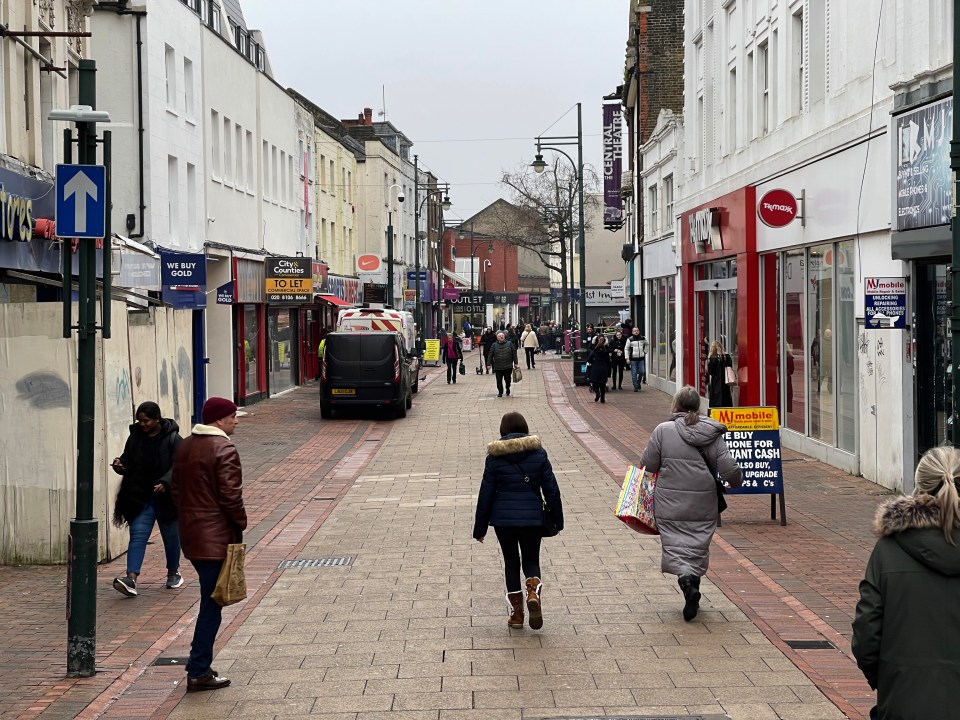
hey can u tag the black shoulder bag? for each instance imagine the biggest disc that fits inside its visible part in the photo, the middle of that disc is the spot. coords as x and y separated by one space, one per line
549 524
721 500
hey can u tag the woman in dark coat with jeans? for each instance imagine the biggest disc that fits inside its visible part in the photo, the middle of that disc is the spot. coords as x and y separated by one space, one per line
906 632
510 501
598 368
718 391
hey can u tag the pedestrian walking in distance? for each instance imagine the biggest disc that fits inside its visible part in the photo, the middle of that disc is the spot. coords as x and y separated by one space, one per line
452 350
208 489
688 451
635 352
487 339
617 360
598 368
502 357
718 391
528 338
517 481
906 631
144 497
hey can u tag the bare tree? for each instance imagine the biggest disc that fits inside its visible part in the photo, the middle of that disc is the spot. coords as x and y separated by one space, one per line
544 217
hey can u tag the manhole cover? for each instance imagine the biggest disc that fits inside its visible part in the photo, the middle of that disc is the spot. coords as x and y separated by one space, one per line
811 644
316 562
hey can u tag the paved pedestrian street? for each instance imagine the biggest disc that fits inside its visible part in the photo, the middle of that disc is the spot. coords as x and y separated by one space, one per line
402 615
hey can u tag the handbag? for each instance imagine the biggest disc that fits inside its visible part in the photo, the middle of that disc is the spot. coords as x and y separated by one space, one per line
729 375
463 369
517 375
721 500
232 581
635 506
549 528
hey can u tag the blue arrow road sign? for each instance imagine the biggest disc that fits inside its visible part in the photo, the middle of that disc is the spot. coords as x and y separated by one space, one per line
81 201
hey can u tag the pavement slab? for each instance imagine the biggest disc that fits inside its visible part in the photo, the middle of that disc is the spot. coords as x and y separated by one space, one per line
415 627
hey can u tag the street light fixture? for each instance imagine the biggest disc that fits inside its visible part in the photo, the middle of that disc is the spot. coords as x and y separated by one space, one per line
538 164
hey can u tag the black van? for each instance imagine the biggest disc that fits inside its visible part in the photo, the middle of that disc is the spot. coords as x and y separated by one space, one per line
365 368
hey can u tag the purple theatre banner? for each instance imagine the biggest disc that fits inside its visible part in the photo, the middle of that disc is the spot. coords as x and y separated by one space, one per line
612 164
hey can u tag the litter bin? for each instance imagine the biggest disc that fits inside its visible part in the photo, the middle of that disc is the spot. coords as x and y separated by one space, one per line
580 367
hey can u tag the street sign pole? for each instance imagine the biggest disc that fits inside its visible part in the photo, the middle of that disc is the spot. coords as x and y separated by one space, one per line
955 221
82 572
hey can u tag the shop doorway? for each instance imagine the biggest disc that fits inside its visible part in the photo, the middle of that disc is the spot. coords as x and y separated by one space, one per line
716 302
283 341
934 347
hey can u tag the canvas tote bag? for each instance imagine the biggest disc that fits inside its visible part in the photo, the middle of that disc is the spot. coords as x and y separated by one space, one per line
232 582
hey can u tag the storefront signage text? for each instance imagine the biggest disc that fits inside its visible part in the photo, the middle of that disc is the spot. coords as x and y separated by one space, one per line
777 208
705 229
753 439
923 166
885 302
16 216
183 277
288 280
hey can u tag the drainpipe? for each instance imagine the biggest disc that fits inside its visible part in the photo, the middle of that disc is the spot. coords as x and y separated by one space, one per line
120 8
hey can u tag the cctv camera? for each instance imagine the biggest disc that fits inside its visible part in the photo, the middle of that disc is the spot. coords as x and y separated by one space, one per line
400 197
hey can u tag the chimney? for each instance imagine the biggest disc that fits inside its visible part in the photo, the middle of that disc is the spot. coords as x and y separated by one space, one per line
368 116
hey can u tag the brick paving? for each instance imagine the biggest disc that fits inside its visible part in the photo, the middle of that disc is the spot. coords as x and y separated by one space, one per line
416 626
797 582
288 467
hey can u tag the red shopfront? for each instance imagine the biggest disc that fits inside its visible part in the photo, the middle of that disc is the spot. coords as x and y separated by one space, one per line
721 291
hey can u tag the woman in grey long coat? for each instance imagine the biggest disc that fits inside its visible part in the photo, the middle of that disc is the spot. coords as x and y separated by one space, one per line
685 500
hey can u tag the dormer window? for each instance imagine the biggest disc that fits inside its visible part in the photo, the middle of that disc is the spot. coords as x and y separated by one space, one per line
261 59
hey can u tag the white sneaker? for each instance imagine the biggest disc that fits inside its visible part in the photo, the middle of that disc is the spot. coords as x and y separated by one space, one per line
174 580
126 585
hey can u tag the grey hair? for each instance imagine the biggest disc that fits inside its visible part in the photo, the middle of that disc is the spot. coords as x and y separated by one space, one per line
687 400
938 474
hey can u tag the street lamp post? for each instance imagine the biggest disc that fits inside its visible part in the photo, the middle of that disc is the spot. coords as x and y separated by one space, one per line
82 542
390 240
552 143
445 205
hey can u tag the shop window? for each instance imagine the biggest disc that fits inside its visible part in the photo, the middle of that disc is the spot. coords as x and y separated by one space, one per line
251 344
845 343
820 322
795 339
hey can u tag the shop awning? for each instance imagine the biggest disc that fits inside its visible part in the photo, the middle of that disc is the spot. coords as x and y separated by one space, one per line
333 300
463 282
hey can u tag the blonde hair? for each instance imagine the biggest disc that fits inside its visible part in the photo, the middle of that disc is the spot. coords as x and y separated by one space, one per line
716 348
687 400
528 327
937 475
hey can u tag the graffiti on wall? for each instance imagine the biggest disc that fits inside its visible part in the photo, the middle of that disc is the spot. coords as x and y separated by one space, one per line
44 390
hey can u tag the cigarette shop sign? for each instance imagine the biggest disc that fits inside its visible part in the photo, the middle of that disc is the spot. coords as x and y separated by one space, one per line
289 280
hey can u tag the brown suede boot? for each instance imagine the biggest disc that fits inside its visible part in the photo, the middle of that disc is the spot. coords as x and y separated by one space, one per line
533 602
515 599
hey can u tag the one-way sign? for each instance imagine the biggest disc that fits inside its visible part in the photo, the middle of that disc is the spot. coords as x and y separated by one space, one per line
81 201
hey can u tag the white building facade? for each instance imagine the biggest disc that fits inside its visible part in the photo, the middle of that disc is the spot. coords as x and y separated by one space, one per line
797 97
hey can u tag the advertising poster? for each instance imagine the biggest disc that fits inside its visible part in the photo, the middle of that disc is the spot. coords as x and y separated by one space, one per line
289 280
612 163
753 438
923 165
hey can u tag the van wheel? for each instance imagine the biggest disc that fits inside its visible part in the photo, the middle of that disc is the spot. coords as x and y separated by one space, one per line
409 401
401 410
326 412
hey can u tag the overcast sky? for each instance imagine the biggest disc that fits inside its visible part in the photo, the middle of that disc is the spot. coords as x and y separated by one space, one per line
459 76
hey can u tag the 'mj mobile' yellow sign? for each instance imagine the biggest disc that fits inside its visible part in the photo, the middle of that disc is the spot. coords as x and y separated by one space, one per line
747 418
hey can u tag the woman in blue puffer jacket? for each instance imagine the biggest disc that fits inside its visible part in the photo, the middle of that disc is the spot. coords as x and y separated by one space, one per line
510 501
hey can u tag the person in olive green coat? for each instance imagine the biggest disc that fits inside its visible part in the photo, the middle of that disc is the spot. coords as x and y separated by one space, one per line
906 633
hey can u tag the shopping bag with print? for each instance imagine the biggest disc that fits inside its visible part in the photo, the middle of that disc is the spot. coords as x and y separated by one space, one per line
517 375
635 504
232 582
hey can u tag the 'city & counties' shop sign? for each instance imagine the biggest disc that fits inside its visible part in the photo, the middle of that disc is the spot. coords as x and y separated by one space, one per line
288 280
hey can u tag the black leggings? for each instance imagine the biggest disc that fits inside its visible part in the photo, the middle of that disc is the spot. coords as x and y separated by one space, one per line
616 373
530 357
520 545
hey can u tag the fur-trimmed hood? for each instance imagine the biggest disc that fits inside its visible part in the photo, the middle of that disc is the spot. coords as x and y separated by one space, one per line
513 444
913 521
